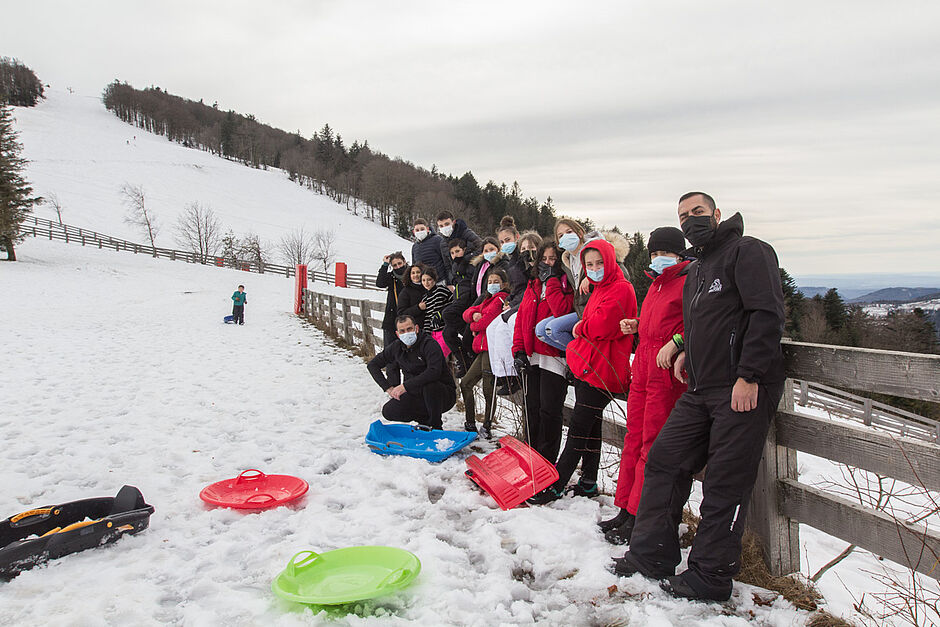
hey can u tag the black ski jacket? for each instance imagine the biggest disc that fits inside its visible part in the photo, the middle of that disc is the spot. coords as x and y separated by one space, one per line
464 293
474 246
385 278
420 364
732 306
408 299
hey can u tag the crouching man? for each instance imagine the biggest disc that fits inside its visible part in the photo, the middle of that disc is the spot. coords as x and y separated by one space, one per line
428 389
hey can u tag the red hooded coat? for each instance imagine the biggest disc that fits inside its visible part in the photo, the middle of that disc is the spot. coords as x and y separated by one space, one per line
489 309
654 390
600 355
533 309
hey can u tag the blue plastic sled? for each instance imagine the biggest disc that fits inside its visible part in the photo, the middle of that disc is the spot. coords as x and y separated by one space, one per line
229 319
401 439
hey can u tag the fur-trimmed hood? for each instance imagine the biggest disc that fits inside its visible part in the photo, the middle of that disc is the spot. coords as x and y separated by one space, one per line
476 261
620 243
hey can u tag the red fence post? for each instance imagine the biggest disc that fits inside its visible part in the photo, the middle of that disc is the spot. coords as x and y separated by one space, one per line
300 286
340 274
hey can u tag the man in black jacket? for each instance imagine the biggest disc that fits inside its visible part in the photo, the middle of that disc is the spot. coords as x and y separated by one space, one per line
428 389
390 276
450 229
457 334
733 363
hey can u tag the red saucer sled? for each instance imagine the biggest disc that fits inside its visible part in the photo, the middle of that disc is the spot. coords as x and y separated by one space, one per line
511 473
253 489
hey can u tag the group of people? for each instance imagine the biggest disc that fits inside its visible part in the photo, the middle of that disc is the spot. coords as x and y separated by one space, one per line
700 367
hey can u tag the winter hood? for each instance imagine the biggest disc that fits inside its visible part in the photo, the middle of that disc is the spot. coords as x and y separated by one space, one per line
612 271
620 243
479 259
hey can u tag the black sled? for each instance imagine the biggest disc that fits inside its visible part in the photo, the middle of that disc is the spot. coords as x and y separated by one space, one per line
38 535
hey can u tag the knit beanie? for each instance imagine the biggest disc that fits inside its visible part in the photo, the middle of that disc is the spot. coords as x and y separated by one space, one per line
667 238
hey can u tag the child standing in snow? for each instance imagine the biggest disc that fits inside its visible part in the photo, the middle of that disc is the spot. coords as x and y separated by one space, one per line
238 310
433 303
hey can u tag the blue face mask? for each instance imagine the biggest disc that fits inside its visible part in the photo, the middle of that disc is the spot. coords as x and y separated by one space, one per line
595 275
490 256
662 262
408 339
569 241
508 247
493 288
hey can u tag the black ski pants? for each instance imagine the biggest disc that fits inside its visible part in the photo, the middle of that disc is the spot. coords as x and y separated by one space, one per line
392 371
424 406
544 398
238 314
584 436
702 429
457 335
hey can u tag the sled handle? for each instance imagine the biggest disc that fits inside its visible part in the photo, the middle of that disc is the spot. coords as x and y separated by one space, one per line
42 513
394 577
294 566
423 428
393 443
258 475
264 496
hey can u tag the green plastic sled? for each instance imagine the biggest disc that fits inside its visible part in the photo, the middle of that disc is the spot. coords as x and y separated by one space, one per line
346 575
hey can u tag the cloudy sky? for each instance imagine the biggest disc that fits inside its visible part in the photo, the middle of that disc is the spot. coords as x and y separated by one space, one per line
820 122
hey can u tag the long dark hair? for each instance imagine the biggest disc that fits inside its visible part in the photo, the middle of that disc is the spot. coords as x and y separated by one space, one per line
547 244
407 278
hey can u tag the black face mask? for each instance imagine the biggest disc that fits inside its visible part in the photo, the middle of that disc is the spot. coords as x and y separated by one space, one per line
457 259
399 273
529 257
699 230
545 271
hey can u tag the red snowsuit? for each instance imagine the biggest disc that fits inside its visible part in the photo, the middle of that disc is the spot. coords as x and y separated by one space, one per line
533 309
600 355
489 309
654 390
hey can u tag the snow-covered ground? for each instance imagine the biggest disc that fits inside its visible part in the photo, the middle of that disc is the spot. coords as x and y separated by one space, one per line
118 370
82 153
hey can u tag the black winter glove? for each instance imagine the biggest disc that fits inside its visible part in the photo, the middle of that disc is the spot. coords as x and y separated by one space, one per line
521 363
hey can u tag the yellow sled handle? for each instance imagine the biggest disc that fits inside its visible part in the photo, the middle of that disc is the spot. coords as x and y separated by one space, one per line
44 512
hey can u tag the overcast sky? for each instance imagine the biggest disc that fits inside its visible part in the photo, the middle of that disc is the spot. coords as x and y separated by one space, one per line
819 121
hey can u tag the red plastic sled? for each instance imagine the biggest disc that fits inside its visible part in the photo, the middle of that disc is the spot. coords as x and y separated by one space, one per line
511 473
253 489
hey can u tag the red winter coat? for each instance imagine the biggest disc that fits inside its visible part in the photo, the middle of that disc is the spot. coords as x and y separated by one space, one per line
489 309
654 390
600 355
533 309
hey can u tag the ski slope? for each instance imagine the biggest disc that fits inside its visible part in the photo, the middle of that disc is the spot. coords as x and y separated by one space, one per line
118 370
82 153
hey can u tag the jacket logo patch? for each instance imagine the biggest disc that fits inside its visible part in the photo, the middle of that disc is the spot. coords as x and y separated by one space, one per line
715 286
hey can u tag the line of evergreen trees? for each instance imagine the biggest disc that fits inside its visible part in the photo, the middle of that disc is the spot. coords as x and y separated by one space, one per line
390 191
19 85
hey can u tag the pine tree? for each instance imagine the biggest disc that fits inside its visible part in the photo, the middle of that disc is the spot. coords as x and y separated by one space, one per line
834 307
637 263
793 301
16 199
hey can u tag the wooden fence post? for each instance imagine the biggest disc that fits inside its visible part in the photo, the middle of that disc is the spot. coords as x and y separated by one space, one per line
347 321
331 318
365 318
779 535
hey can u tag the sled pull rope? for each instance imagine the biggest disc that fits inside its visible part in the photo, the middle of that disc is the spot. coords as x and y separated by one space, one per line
45 511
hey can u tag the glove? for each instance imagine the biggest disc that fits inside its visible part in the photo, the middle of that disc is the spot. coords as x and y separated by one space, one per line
521 362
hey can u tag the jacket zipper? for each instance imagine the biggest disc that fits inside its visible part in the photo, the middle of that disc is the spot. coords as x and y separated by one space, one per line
688 339
731 361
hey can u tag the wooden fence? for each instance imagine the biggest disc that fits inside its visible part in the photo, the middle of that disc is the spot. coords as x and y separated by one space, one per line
780 502
47 229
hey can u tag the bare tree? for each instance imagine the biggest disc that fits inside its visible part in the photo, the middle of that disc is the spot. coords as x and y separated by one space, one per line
53 200
199 231
298 247
138 214
324 247
254 250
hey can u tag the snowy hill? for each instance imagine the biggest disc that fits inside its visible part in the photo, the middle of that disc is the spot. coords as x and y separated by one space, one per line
82 153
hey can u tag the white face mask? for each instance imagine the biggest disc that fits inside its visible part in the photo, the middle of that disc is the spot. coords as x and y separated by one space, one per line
420 235
448 230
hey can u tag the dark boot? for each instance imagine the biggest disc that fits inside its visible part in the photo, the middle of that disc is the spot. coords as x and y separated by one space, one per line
678 587
486 430
584 489
470 425
547 495
621 535
616 521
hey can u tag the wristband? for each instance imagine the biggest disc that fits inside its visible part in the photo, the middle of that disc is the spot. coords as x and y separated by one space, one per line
678 341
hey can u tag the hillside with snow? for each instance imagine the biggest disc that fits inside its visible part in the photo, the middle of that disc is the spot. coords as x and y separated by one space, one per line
83 154
119 370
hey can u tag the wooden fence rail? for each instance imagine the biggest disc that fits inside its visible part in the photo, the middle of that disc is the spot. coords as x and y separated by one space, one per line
780 502
50 230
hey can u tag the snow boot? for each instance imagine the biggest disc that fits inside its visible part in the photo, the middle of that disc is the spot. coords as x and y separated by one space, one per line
616 521
486 431
621 535
678 587
583 489
470 425
547 495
